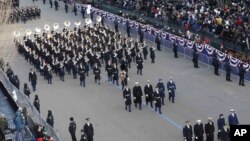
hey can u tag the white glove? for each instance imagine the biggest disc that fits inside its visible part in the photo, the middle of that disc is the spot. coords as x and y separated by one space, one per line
196 137
169 91
125 99
146 95
128 78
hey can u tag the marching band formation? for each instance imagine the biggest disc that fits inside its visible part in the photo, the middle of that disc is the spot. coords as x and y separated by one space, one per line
24 14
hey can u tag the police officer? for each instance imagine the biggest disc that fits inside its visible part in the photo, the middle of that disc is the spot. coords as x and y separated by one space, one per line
157 99
209 130
220 123
33 79
97 73
175 49
198 131
171 89
127 98
195 58
145 50
232 118
161 89
81 75
242 72
216 64
152 54
72 129
89 130
50 118
124 78
148 91
137 94
56 5
187 132
109 69
228 70
139 62
158 42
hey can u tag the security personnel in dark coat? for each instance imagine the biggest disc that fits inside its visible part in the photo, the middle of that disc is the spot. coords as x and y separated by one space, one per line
157 99
187 132
242 72
36 103
97 73
139 62
232 118
33 79
83 12
61 72
141 34
216 64
161 89
66 6
109 69
195 58
198 131
225 134
74 69
128 28
81 73
209 130
51 3
75 9
26 90
152 54
137 94
228 70
220 124
72 129
89 130
145 50
127 98
148 91
115 75
116 26
50 118
56 5
171 89
175 49
158 42
83 136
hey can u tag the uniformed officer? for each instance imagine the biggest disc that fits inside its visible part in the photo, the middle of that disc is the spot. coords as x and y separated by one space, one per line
161 89
232 118
148 91
97 73
36 103
198 131
141 34
152 54
209 130
216 64
220 123
137 94
61 71
109 69
83 12
33 79
72 129
225 134
228 70
128 28
187 132
116 26
75 9
139 62
157 99
115 75
50 118
66 6
195 58
56 5
242 72
124 78
127 98
145 50
49 74
81 72
89 130
171 89
175 49
158 42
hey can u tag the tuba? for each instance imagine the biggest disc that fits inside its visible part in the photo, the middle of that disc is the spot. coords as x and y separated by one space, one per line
55 26
67 23
46 27
16 33
38 29
98 19
77 23
28 32
88 21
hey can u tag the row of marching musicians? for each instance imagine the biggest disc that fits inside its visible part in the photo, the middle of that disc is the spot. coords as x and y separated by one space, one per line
90 46
157 96
24 14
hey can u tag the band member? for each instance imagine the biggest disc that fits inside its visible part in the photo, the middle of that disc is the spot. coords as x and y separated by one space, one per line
127 98
139 62
109 69
115 75
81 73
158 43
61 71
148 91
97 73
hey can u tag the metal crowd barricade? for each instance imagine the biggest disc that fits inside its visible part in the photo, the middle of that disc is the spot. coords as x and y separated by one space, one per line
34 115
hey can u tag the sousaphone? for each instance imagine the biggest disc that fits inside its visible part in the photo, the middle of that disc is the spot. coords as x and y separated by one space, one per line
28 32
77 23
88 21
16 33
46 27
98 19
55 26
38 29
67 23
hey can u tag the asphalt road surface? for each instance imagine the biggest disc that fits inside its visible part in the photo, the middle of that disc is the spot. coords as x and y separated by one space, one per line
200 94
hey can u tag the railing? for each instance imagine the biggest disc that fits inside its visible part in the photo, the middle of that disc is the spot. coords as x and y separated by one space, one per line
34 115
